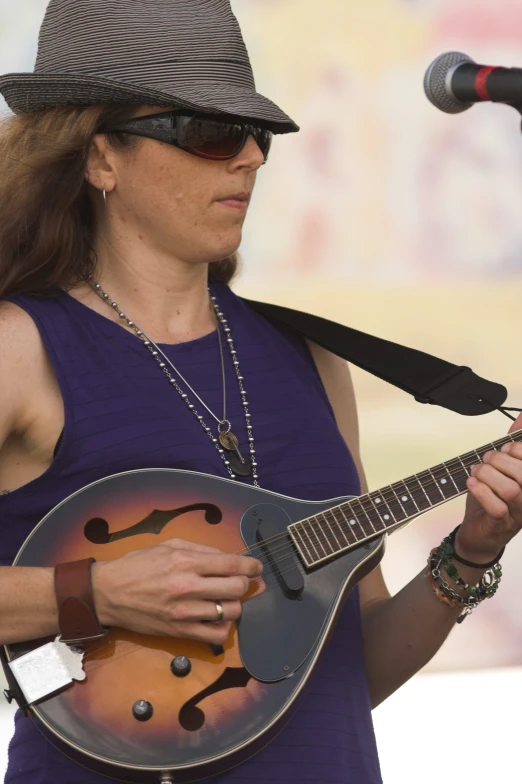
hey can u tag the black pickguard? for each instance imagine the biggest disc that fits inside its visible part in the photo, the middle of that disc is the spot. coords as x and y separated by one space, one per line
277 633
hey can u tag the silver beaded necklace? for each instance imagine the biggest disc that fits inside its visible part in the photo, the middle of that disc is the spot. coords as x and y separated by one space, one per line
226 443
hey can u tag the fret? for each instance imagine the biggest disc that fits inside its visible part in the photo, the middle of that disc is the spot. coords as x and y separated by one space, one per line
467 473
401 508
417 479
481 452
346 529
381 508
365 513
352 520
451 477
303 525
421 501
325 538
407 502
334 535
305 551
321 539
469 460
443 482
459 474
369 512
436 488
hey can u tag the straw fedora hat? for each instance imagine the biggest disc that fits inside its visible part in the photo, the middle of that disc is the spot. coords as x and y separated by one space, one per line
187 53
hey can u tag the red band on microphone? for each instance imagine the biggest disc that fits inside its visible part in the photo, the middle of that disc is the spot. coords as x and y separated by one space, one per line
480 82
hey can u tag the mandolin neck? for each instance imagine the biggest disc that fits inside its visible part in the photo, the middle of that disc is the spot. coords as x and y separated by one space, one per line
341 528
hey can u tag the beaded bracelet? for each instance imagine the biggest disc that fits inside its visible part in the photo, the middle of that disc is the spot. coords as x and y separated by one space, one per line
489 582
441 596
485 589
442 589
457 557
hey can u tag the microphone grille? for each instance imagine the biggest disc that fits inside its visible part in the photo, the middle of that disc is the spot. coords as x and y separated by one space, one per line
436 85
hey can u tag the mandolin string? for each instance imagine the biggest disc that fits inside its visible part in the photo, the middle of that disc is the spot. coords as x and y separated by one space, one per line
261 581
134 647
431 484
258 582
374 533
433 474
320 537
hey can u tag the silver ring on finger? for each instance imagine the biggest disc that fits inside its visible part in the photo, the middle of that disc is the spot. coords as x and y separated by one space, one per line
220 612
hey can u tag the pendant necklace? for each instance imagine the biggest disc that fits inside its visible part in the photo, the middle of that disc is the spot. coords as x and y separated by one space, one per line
226 443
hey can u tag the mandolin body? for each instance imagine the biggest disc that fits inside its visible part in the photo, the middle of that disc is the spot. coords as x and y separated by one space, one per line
234 699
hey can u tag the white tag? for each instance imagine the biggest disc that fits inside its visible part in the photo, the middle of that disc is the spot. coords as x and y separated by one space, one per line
47 669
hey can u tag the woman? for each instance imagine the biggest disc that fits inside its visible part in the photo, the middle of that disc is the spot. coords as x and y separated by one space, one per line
96 201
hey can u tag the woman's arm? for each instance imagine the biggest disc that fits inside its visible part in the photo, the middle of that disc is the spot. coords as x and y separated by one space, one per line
27 603
402 633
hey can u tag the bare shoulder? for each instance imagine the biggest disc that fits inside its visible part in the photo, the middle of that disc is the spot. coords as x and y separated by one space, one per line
20 340
337 381
22 363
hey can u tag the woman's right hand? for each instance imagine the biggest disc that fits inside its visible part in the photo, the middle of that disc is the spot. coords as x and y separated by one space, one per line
171 589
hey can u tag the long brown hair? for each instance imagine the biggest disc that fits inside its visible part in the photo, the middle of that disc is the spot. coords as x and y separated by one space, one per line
47 219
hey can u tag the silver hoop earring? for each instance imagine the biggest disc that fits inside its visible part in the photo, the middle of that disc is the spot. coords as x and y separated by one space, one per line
105 196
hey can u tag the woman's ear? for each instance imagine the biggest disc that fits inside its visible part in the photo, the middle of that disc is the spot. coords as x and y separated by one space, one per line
100 171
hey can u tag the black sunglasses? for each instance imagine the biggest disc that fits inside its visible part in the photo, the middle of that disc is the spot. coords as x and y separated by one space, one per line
203 135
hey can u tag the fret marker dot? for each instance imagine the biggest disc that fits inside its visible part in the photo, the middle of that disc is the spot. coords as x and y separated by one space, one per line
377 500
353 522
404 498
386 517
443 481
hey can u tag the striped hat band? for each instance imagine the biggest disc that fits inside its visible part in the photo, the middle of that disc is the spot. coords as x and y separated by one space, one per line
187 53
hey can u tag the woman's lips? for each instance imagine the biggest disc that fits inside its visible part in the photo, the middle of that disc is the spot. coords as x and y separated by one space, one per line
237 201
236 204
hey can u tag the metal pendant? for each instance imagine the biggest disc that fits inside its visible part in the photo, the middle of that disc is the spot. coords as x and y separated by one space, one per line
229 441
240 468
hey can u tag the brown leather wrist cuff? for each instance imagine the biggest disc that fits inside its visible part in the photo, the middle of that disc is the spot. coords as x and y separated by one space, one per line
76 611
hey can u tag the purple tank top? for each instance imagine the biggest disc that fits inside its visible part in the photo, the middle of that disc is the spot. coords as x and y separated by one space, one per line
121 414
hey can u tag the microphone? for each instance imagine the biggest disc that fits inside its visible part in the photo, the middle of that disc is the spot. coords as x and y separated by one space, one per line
454 82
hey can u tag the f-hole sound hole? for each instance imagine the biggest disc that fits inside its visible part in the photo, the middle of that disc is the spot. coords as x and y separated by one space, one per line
191 717
97 530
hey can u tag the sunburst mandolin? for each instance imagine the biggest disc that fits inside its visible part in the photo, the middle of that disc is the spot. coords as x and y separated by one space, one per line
160 709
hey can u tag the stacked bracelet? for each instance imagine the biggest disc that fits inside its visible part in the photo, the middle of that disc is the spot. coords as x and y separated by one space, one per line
457 557
440 558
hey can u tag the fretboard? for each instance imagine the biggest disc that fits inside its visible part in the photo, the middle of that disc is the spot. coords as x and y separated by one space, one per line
327 534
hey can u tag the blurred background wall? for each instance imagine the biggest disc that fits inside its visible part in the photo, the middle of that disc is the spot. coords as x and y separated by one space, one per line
394 218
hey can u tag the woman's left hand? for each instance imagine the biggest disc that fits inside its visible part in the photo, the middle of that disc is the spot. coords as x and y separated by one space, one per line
494 505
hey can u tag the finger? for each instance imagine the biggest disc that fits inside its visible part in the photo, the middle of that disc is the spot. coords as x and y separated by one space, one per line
230 588
514 448
507 489
493 506
508 464
231 611
517 424
200 610
182 544
214 633
225 565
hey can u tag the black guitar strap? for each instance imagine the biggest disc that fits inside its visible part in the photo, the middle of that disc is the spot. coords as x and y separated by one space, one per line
428 378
